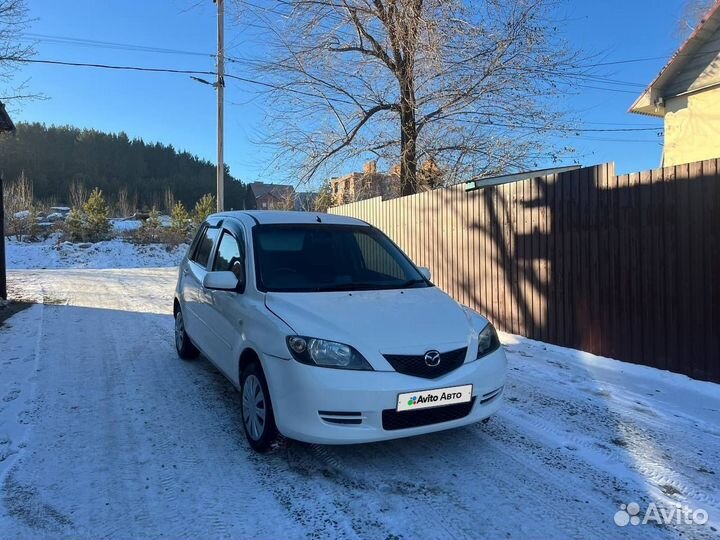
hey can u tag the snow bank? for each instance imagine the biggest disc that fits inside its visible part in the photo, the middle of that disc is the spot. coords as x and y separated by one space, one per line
122 225
116 253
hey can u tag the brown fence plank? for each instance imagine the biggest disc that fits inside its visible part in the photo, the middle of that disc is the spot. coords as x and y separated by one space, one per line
696 244
670 234
645 268
657 268
712 214
550 299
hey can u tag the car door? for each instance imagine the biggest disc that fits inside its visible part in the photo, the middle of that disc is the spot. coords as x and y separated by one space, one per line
196 299
228 308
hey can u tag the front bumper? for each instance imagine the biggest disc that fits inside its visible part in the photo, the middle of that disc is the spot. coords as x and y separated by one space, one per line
308 401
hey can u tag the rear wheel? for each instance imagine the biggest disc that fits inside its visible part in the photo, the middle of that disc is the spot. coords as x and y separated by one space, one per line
257 411
185 348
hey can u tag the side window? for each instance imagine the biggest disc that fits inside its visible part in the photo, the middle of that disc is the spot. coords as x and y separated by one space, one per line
376 258
196 240
204 248
228 253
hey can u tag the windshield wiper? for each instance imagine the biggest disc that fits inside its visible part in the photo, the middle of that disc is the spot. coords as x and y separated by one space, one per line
368 286
348 287
409 283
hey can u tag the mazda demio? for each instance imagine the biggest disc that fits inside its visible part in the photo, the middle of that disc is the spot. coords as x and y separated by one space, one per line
330 332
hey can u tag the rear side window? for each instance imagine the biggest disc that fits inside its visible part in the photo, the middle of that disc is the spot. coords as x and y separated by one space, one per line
205 246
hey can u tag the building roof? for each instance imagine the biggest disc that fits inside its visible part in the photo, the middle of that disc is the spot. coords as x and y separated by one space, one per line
6 123
700 54
265 217
279 191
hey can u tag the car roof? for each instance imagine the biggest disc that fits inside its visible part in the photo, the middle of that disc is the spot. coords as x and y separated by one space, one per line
263 217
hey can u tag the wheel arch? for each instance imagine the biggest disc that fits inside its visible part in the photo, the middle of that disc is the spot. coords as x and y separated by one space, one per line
246 358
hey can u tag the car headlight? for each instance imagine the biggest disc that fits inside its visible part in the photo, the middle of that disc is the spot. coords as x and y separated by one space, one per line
323 353
488 341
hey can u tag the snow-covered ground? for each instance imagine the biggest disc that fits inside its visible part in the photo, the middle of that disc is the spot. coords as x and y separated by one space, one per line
115 253
104 432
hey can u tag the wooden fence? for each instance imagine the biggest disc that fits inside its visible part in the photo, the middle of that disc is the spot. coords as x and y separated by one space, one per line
621 266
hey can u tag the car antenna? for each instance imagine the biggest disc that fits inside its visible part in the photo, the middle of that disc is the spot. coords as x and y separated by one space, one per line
318 219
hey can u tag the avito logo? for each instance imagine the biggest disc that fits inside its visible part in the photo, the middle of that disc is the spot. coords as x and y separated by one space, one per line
433 398
422 399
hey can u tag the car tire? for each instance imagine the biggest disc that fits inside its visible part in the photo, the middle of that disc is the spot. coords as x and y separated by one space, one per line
257 412
184 346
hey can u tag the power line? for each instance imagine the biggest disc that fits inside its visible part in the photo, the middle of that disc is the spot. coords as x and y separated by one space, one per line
169 70
66 40
192 72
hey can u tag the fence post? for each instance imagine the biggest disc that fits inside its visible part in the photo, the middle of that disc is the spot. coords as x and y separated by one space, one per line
3 281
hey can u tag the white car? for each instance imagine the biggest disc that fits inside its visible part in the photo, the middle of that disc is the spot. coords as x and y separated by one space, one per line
330 332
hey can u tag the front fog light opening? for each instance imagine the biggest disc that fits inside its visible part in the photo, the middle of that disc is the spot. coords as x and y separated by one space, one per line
297 344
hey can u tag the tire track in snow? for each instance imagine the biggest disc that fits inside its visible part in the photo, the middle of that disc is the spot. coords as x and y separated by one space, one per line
616 436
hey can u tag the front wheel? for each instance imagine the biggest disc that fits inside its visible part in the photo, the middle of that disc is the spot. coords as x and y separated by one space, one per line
257 411
185 348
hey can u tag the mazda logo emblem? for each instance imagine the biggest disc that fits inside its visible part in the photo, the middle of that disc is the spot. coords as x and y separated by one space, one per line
432 358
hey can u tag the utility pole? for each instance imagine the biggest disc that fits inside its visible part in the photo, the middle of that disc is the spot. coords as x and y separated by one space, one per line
220 86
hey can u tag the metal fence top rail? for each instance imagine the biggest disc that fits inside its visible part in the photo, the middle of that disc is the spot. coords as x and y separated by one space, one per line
517 177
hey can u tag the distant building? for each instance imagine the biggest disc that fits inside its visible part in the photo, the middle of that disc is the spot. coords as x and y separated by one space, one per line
686 94
6 123
370 183
358 186
262 196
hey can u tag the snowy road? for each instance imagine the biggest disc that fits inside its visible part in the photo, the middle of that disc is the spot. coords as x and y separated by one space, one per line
104 432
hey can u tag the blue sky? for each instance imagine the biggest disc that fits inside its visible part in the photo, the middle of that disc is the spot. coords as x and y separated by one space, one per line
176 110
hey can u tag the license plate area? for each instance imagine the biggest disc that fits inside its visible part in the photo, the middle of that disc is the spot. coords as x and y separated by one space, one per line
425 399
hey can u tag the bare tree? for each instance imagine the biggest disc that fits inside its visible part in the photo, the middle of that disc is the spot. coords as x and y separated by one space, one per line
78 194
691 15
20 209
473 85
169 200
13 21
125 206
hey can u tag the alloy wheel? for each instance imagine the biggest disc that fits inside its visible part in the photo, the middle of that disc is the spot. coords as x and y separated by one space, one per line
254 408
179 330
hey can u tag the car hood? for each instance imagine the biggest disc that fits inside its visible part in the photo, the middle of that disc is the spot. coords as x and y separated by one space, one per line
408 321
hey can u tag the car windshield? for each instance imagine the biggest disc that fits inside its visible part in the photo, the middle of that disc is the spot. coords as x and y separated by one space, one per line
321 257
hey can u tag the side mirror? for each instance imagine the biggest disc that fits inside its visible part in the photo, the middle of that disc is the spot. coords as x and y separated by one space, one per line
425 272
222 281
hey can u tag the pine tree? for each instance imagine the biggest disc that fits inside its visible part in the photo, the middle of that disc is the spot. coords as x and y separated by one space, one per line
203 208
325 198
96 217
151 229
74 226
180 219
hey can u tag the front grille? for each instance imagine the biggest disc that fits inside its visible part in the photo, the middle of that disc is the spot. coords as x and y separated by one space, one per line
393 420
411 364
